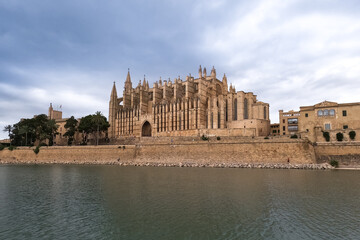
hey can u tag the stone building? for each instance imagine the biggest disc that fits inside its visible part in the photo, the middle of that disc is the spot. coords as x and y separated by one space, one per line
289 122
59 138
331 117
275 129
191 107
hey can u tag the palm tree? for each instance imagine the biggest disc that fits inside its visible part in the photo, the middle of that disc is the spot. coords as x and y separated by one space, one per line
98 120
24 130
8 128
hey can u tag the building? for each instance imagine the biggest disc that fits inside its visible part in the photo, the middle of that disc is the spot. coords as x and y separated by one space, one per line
331 117
289 122
59 138
274 129
196 106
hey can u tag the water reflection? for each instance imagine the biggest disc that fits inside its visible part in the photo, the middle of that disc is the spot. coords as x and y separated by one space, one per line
112 202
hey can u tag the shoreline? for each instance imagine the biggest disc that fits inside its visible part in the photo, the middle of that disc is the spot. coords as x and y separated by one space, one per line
322 166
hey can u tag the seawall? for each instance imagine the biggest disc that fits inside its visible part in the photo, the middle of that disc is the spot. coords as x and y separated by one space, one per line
346 153
202 153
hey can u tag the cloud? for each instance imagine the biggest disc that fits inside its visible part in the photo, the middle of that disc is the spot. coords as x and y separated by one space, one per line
289 53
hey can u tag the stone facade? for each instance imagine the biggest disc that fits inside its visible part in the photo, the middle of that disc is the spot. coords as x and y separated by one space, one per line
275 129
311 121
289 122
331 117
196 106
59 138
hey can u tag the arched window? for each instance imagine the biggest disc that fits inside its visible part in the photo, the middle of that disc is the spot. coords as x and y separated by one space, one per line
332 112
226 110
235 110
326 112
320 113
246 114
219 119
212 120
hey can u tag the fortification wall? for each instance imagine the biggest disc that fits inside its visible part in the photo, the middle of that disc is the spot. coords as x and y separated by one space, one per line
346 153
187 152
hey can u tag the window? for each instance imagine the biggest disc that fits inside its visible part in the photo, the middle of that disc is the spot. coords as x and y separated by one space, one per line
320 113
345 127
292 121
344 113
235 110
292 128
327 126
332 112
264 112
274 131
283 120
306 115
283 128
219 118
246 115
326 112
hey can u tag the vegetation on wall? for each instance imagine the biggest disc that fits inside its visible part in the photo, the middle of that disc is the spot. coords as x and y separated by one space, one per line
326 135
334 163
352 135
339 136
37 150
204 138
2 147
294 136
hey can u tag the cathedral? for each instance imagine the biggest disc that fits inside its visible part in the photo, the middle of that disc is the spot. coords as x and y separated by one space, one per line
191 107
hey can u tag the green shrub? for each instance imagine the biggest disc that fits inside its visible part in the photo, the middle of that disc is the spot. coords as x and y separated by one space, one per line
294 136
12 148
37 150
218 138
339 136
352 135
334 163
326 136
2 147
266 137
204 138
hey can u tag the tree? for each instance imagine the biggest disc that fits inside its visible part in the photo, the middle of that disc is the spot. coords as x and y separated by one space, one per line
91 124
339 136
24 130
71 128
101 123
8 128
38 128
85 127
352 135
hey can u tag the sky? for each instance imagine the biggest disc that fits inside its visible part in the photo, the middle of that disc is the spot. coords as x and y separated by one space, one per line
289 53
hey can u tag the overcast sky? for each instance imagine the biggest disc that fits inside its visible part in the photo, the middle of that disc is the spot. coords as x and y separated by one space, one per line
289 53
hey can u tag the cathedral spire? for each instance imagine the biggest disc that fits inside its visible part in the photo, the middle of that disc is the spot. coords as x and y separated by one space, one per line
128 78
144 82
113 92
213 72
200 72
128 84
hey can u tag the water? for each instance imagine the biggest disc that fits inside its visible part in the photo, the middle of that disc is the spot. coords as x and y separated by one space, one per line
112 202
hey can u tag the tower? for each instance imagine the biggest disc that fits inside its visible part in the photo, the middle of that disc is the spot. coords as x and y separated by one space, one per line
112 111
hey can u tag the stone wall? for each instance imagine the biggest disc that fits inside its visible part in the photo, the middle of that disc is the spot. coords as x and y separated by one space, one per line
202 152
347 154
